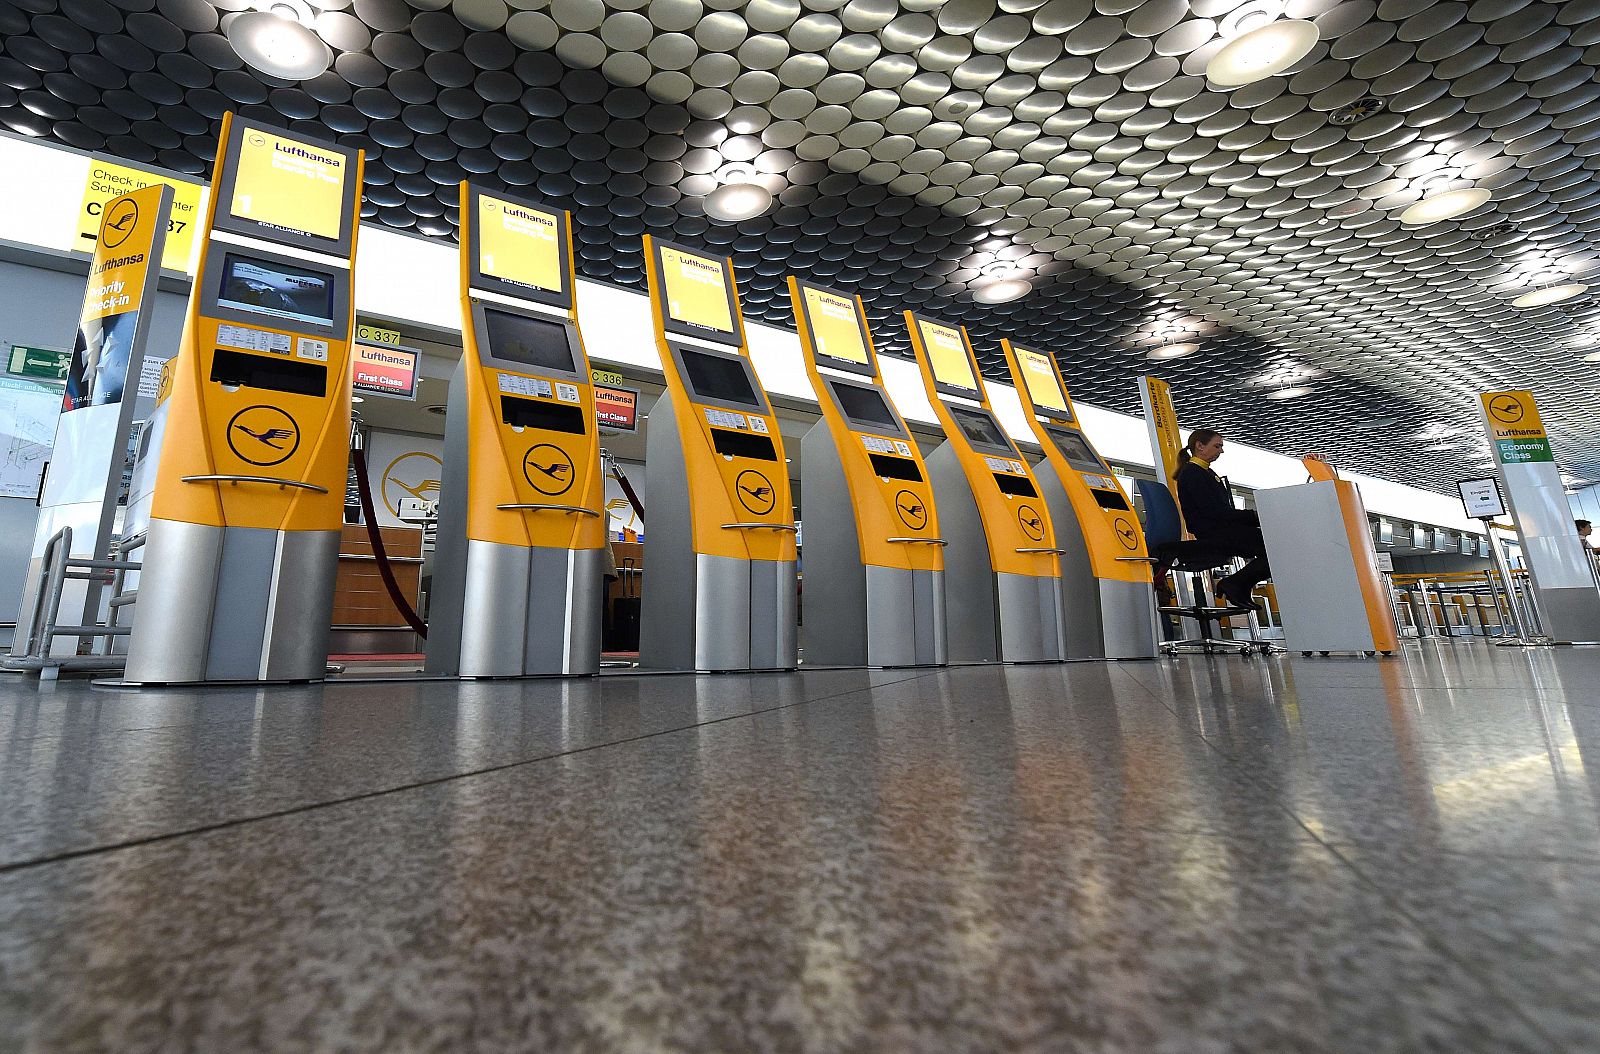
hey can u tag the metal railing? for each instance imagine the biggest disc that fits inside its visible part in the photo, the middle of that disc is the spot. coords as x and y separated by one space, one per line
57 567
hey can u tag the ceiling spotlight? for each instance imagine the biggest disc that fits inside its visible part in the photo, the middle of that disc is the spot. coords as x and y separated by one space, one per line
1293 392
1261 53
1586 340
1593 356
278 45
1550 294
740 197
1444 206
1000 292
1172 351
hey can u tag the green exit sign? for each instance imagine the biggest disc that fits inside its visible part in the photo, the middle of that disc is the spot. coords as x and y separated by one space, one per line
39 362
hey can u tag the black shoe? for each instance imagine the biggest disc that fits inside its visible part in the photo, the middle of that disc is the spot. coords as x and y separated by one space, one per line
1240 598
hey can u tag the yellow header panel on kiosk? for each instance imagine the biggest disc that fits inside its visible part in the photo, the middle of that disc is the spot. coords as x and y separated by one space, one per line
519 249
892 500
535 452
1016 525
280 188
258 431
733 452
1111 531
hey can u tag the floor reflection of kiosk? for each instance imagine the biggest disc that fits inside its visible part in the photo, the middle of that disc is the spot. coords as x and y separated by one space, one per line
1001 565
245 515
720 590
519 568
1105 569
874 565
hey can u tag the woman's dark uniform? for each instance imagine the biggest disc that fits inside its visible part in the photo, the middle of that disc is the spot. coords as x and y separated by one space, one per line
1210 515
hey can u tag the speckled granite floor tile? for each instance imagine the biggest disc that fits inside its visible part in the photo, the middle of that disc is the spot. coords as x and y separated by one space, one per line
1190 856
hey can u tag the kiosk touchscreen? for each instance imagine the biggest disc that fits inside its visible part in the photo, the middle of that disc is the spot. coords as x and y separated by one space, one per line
519 569
1105 567
874 567
248 497
1002 561
719 592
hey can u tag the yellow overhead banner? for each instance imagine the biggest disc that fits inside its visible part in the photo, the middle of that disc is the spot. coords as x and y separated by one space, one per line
285 183
518 244
110 179
1040 377
697 289
835 328
1514 425
947 354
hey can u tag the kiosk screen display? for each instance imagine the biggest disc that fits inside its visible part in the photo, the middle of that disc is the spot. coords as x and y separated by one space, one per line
866 407
697 290
519 245
288 184
1043 386
1076 450
719 378
947 355
835 327
528 341
980 429
281 290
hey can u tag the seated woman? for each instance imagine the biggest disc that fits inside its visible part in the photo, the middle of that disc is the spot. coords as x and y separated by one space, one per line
1210 515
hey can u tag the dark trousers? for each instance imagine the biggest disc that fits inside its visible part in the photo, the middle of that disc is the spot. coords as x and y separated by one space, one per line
1241 539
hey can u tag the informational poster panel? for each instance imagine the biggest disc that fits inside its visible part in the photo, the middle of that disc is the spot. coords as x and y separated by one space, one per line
1040 376
1481 498
836 328
110 179
519 244
284 183
697 290
947 355
390 372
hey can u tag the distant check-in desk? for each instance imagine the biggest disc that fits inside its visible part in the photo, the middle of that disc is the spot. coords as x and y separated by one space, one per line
1324 569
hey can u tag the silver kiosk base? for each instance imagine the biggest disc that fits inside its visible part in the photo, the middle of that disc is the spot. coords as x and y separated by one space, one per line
1109 619
856 614
505 610
234 604
995 617
704 613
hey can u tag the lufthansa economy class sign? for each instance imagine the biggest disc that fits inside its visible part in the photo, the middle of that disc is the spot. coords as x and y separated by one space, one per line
1518 433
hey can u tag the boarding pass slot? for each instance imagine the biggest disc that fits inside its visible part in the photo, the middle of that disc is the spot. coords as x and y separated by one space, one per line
895 468
743 444
1016 486
242 370
548 417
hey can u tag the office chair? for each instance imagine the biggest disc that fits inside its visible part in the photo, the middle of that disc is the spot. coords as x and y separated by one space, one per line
1163 532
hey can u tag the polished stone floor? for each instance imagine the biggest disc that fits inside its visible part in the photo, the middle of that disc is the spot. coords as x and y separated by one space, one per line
1190 856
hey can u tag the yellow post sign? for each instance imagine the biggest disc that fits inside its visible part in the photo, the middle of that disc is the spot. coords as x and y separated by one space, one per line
110 179
120 273
1514 425
1162 420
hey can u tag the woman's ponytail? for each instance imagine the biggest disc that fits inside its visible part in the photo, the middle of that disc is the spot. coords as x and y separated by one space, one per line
1199 437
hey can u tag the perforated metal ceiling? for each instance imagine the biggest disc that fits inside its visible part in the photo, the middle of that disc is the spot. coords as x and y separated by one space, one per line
913 143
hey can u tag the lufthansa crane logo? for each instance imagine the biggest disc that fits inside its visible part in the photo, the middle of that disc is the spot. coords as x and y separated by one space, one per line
263 435
1507 409
549 469
1126 533
755 492
1031 522
913 510
120 222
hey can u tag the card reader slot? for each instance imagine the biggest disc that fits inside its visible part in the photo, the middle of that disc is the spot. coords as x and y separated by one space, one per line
1016 486
743 444
549 417
885 465
271 373
1110 499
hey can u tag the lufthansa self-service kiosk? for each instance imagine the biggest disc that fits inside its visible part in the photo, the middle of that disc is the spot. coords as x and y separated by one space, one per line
1105 569
874 573
719 584
1001 565
518 571
246 510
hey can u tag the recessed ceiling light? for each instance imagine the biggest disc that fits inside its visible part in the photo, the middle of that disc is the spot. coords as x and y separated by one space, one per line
1593 356
278 46
1172 351
1293 392
1550 294
1586 340
1445 206
1261 53
738 201
1005 290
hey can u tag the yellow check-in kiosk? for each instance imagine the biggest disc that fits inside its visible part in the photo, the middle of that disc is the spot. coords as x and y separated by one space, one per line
519 568
245 514
1105 568
874 569
1001 565
719 528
